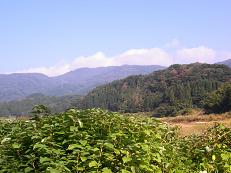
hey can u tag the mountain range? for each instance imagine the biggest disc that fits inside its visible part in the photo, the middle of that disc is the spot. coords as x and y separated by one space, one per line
164 92
78 82
18 86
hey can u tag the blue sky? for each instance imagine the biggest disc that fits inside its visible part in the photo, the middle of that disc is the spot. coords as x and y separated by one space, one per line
55 36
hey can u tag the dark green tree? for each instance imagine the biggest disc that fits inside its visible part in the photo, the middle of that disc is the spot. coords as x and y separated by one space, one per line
39 111
219 101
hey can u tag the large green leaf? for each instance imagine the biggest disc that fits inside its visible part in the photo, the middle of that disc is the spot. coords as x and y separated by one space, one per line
126 159
73 146
106 170
93 164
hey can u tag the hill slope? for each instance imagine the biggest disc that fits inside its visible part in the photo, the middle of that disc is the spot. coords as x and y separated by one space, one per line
16 86
164 92
80 81
226 62
24 106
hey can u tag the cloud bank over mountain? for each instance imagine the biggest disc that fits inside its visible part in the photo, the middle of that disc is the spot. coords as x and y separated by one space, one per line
172 53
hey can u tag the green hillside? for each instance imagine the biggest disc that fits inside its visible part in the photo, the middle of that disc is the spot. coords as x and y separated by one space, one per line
24 106
164 92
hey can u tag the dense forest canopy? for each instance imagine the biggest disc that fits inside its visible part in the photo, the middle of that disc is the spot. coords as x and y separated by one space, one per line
165 92
218 101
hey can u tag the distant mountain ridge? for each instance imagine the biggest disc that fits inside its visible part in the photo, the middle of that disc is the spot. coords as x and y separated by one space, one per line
20 85
226 62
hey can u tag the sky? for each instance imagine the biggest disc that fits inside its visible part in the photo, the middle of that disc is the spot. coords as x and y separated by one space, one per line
57 36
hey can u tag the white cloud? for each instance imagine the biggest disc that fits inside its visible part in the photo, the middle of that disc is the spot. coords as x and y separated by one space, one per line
96 60
145 57
198 54
223 55
151 56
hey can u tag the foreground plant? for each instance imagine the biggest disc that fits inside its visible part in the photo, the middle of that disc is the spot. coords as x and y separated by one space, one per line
99 141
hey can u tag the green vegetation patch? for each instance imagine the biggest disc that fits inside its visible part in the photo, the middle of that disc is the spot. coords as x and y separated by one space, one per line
219 101
99 141
168 92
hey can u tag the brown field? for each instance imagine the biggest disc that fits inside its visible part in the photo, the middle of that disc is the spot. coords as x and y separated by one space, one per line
197 122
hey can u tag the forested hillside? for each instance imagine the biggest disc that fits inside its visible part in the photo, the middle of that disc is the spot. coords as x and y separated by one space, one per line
24 106
218 101
165 92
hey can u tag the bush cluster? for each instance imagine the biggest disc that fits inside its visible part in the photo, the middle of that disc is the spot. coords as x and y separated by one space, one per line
99 141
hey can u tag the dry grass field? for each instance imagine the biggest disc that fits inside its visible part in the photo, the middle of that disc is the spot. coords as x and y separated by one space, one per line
197 122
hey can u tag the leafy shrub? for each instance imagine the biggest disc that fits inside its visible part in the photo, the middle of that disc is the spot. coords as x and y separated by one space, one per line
210 151
99 141
83 141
